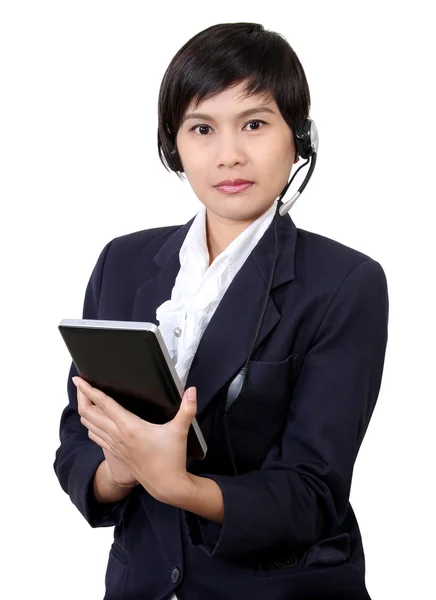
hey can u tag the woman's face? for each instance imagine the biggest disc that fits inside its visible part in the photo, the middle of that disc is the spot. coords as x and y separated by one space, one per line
216 142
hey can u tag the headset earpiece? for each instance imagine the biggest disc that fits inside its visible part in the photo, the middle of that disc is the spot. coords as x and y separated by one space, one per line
306 138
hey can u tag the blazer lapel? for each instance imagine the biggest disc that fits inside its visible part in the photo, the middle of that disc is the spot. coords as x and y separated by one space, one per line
228 337
158 288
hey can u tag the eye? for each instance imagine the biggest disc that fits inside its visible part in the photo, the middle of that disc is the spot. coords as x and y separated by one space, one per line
257 122
203 126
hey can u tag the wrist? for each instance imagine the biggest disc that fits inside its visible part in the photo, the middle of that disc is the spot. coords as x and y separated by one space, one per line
117 484
204 498
104 489
180 493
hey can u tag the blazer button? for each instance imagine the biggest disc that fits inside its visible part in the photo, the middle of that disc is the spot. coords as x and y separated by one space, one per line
175 575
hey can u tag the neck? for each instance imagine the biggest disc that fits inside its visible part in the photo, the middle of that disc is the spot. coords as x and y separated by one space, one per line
220 233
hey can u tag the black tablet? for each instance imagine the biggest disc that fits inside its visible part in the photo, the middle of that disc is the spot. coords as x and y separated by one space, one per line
130 362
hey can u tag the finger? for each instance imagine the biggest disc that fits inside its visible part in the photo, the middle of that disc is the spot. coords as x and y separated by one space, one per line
187 410
84 404
97 431
94 416
104 402
98 440
85 407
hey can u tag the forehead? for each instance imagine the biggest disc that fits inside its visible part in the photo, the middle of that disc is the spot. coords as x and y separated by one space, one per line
233 99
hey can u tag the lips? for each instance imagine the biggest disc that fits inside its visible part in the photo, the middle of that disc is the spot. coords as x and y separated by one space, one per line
234 189
229 182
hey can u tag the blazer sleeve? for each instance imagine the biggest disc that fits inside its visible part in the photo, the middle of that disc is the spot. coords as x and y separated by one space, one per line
78 457
302 489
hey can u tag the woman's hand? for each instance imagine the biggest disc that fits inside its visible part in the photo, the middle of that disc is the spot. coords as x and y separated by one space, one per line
154 455
118 470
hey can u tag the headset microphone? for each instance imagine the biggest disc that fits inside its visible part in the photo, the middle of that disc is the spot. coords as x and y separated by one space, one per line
306 141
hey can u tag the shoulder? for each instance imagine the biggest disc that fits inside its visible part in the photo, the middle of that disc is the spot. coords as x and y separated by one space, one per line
145 239
328 250
138 245
130 255
327 263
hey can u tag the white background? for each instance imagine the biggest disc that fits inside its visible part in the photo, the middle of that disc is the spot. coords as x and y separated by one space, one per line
79 165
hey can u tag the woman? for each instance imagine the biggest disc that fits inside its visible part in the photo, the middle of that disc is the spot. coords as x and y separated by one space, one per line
238 290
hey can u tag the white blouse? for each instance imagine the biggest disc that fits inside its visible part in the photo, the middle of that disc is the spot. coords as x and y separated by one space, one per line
199 288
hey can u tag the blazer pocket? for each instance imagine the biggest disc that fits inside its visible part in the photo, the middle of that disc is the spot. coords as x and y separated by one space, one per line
258 416
269 385
278 563
117 573
329 552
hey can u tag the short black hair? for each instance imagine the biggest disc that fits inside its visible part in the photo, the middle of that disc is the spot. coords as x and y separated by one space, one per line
223 56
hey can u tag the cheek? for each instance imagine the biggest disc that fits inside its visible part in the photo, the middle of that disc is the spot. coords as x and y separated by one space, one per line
193 161
280 161
198 173
275 168
282 151
196 178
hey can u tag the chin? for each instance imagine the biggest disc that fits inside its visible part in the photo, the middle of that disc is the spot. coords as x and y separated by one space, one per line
238 213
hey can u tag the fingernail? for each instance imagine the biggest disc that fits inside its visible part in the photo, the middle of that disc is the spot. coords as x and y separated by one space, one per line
74 381
191 393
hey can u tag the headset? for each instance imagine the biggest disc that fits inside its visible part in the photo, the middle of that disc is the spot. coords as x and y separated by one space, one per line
306 140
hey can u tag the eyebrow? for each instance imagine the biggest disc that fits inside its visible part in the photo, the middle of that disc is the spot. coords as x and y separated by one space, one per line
244 113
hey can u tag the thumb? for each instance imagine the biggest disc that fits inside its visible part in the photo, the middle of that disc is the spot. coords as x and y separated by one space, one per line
188 407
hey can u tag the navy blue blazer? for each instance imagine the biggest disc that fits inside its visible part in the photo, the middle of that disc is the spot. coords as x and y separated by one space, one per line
289 531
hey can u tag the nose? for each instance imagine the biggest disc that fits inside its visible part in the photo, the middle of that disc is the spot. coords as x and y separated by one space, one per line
229 151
